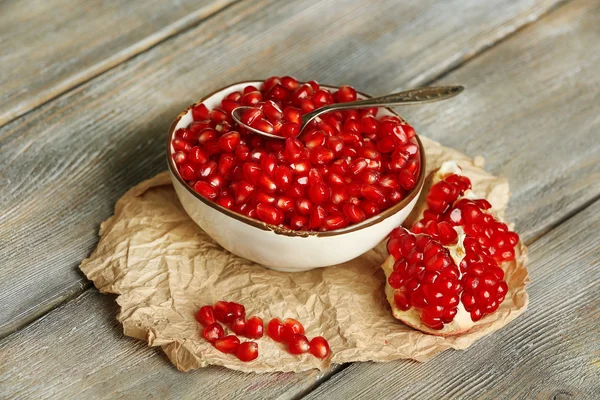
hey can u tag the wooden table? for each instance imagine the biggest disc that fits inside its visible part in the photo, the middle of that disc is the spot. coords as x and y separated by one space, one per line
88 90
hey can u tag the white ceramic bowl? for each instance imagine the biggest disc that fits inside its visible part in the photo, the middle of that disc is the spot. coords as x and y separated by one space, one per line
275 247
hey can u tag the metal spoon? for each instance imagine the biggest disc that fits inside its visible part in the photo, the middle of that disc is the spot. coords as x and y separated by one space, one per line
413 96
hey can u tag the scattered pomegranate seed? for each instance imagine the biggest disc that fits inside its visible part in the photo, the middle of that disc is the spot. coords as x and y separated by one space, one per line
247 351
205 315
227 344
319 347
275 329
254 328
238 326
223 311
365 164
298 344
290 328
213 332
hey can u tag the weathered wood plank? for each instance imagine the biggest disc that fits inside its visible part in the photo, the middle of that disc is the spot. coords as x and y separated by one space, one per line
48 47
63 166
80 353
551 352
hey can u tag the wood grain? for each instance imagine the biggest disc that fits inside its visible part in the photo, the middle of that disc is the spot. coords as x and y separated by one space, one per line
531 108
49 47
551 352
80 353
63 166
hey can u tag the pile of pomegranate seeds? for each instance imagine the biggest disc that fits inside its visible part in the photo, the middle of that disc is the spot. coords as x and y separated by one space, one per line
426 277
344 168
290 332
233 315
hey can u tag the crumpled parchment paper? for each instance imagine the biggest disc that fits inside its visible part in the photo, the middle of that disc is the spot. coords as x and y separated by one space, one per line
163 268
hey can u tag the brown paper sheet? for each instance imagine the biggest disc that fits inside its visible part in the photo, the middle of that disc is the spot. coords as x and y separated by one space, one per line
164 267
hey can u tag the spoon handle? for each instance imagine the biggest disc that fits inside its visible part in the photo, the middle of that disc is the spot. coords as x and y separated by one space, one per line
413 96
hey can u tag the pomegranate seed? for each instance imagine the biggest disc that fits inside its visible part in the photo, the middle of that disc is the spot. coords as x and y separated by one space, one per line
289 130
218 115
227 344
321 156
354 213
207 135
247 351
317 217
321 98
333 222
290 328
206 315
206 189
298 222
266 183
251 98
200 112
180 157
254 328
313 84
277 93
306 105
223 311
292 114
251 115
226 201
298 344
289 83
187 172
229 141
304 206
181 145
272 111
229 105
269 83
303 92
238 326
275 329
319 347
269 214
213 332
346 94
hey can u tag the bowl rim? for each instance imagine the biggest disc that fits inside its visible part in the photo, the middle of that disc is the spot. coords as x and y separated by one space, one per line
279 229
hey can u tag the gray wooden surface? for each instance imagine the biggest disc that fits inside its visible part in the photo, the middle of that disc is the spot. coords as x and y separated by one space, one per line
531 109
86 148
49 47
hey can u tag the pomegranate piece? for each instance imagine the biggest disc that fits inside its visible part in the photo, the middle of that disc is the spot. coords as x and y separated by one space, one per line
319 347
365 164
254 328
205 315
426 278
247 351
227 344
298 344
213 332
